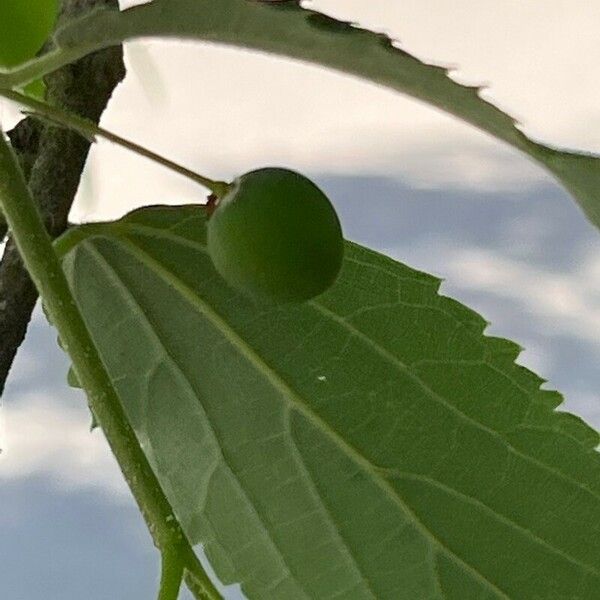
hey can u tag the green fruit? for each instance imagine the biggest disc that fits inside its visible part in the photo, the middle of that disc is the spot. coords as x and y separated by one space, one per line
275 236
24 27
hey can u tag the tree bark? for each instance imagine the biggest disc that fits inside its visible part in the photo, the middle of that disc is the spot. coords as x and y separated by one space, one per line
53 160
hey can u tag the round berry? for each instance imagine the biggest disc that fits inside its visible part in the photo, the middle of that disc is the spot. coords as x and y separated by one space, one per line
275 236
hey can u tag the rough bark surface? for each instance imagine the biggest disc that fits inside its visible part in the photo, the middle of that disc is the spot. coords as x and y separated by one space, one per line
53 160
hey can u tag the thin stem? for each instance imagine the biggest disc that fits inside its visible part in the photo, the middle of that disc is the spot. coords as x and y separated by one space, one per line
171 575
37 252
90 130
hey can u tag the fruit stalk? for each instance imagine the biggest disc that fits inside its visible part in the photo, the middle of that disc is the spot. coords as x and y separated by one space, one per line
90 131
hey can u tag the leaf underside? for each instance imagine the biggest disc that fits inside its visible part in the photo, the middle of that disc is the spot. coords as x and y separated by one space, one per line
285 28
371 443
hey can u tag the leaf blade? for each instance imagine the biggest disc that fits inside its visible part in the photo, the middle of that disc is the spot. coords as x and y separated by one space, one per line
316 450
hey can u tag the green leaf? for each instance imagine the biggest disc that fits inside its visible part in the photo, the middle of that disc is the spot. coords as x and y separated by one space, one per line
287 29
24 27
372 443
36 89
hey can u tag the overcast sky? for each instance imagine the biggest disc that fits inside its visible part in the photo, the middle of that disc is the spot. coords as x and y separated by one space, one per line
407 180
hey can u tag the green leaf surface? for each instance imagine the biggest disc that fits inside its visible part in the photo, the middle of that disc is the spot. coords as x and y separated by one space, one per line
371 443
24 27
36 89
286 29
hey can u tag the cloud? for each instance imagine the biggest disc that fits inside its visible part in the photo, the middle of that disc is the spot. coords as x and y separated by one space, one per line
562 302
40 436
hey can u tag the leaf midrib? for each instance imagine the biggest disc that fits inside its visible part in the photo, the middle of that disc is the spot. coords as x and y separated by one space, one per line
194 299
295 401
145 258
288 393
130 299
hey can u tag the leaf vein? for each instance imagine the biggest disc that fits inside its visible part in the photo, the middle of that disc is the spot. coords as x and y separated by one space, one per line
153 335
291 396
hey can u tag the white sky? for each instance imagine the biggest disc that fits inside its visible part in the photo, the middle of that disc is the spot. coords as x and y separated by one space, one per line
222 111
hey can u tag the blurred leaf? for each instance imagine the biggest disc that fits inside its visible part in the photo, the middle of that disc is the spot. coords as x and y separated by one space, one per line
371 443
24 27
36 89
